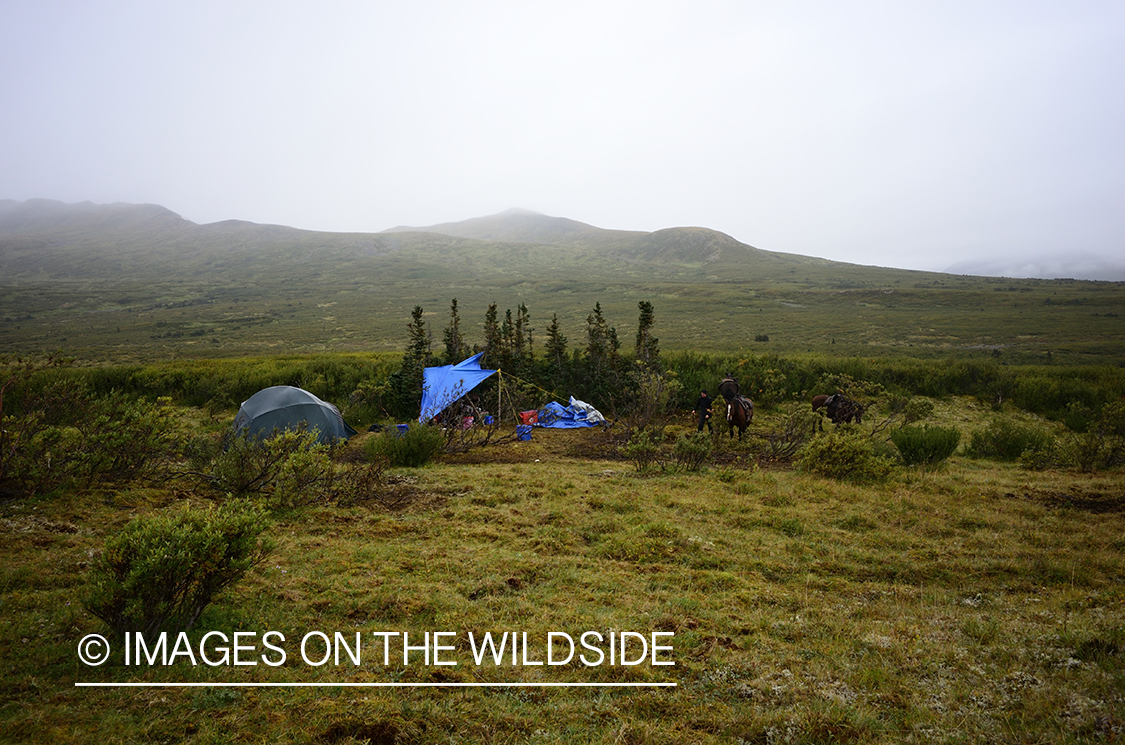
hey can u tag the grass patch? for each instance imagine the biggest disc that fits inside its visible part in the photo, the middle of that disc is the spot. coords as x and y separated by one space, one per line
934 605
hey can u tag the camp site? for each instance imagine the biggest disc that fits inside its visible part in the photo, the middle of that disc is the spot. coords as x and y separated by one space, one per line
491 540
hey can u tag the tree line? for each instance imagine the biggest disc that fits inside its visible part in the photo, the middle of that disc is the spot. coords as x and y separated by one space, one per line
595 367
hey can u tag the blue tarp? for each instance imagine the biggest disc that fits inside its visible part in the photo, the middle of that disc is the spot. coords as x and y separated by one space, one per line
578 414
444 385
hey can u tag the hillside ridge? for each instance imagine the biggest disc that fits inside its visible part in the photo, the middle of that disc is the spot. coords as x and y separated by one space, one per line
126 281
150 232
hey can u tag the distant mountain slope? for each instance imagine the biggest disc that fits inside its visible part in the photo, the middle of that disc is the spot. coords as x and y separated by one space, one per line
518 226
691 246
44 238
1073 264
120 281
41 237
49 216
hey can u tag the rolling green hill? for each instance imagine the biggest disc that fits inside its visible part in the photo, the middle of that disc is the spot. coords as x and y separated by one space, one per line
124 282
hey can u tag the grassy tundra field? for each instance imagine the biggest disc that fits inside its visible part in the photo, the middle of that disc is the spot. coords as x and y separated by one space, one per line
805 587
974 602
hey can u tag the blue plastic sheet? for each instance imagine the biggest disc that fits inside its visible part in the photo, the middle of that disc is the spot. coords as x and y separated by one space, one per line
444 385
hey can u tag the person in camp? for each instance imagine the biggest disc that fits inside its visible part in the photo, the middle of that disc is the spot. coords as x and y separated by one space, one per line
703 411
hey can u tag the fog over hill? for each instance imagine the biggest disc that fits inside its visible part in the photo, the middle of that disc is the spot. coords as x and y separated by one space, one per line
1072 265
38 233
526 226
517 226
39 236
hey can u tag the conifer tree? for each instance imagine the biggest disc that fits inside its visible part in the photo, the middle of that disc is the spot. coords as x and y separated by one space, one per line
406 384
602 346
493 343
556 343
647 350
601 376
418 352
509 355
601 339
523 334
455 347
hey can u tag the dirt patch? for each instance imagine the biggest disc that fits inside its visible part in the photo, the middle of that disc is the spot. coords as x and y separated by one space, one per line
400 494
545 444
1092 501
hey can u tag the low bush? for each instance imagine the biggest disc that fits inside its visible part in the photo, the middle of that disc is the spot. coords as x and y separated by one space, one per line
1004 439
642 450
846 456
414 448
68 437
692 451
161 571
1044 458
361 482
1102 444
653 395
785 439
925 446
123 438
289 468
917 408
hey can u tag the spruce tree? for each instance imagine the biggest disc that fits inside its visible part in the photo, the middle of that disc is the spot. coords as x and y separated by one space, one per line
523 333
455 347
556 343
507 357
603 363
647 350
406 384
493 342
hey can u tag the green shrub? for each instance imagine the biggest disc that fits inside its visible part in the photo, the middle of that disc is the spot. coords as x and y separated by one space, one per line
693 451
642 450
917 408
1004 439
67 436
122 439
413 448
1102 443
925 445
161 571
361 482
1043 458
847 456
652 395
785 439
290 467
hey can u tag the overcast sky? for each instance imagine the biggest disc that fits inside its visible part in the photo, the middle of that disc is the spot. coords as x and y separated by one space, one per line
908 134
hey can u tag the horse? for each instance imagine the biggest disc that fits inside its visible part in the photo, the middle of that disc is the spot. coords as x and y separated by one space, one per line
840 408
728 389
740 411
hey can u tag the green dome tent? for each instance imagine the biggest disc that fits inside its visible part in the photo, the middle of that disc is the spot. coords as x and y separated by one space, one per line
284 407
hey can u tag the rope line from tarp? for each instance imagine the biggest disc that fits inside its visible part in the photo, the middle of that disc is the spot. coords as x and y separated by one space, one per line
500 376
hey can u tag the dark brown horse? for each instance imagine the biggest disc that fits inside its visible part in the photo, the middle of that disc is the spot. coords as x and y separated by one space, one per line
728 389
840 409
740 412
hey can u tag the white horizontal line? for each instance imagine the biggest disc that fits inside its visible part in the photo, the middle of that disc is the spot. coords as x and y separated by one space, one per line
374 685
